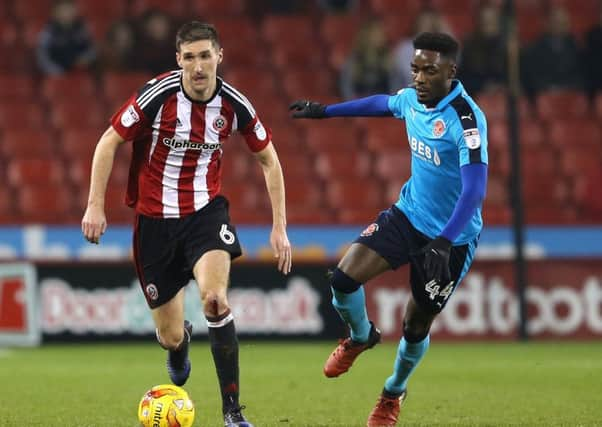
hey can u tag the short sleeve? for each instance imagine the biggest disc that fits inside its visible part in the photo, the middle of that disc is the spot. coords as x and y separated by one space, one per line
130 121
472 138
397 103
256 135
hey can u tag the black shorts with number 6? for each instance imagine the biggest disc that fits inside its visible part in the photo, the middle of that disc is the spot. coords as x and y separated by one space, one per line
395 239
166 249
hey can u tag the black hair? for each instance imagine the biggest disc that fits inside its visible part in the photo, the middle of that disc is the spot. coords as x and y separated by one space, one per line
443 43
194 31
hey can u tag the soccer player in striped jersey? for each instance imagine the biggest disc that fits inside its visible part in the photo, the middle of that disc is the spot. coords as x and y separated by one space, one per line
435 224
178 123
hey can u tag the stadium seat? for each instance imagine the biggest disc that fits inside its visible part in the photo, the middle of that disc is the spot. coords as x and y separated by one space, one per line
454 6
334 27
209 9
355 201
241 194
494 104
252 82
276 30
68 87
119 86
561 104
499 161
338 164
174 8
539 162
46 203
530 20
235 164
383 134
531 133
580 160
460 22
294 56
35 171
233 29
29 10
589 196
116 210
79 143
339 52
384 8
19 143
497 191
8 214
598 106
575 133
299 168
496 215
393 165
298 83
22 113
398 27
78 113
16 87
239 55
332 136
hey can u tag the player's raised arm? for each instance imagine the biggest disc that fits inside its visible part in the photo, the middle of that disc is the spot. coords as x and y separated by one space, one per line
371 106
94 222
274 180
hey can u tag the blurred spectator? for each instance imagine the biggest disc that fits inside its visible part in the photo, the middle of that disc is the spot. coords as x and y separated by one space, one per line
483 65
553 61
154 48
65 44
367 69
593 56
337 6
118 49
428 20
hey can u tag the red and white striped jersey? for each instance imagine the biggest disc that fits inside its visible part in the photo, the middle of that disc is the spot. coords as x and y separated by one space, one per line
177 143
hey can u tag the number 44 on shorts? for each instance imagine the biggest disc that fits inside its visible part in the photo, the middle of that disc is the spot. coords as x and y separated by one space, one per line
433 287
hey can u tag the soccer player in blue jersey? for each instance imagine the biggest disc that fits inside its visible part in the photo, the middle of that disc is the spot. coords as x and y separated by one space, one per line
435 224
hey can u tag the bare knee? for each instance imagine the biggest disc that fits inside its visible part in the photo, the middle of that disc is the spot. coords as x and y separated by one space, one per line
416 323
214 302
170 338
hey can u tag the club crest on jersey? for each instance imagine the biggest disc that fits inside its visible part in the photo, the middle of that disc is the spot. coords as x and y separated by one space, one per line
370 230
129 117
152 291
219 123
438 128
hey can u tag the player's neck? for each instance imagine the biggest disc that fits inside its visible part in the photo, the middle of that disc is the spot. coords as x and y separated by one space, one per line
200 96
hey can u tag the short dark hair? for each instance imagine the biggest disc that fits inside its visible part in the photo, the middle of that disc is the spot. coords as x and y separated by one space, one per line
194 31
443 43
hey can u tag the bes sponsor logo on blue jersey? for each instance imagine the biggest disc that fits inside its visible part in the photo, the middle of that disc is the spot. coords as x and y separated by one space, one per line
424 151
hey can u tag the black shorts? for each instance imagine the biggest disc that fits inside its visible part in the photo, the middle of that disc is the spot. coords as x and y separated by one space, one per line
166 249
395 239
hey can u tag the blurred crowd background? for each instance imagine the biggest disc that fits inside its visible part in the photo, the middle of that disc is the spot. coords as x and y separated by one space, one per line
67 65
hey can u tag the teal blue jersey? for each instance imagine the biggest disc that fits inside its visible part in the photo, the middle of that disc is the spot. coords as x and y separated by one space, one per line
442 140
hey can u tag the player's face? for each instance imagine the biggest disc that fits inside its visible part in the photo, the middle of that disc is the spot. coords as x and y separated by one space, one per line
199 60
432 74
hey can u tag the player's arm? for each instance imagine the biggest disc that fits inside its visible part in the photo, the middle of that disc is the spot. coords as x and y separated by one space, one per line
437 252
371 106
94 222
274 180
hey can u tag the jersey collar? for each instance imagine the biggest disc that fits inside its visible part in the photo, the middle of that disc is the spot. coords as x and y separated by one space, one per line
456 89
218 88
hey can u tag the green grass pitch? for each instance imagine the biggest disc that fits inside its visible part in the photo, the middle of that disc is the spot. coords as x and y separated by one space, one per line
477 384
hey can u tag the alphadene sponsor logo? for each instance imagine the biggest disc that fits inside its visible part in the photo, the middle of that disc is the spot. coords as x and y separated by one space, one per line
184 144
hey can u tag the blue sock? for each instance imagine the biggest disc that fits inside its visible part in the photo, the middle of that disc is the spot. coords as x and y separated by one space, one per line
352 309
408 357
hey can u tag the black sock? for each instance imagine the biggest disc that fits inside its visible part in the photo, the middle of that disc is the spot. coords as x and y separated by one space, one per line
224 347
178 356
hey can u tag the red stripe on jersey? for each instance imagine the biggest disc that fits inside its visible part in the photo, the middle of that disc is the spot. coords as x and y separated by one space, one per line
191 157
151 181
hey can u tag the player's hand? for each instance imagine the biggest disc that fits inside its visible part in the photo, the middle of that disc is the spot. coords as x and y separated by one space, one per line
94 223
304 109
282 249
436 260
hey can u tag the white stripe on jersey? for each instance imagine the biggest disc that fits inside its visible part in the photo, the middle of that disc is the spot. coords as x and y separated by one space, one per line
239 97
165 84
175 158
201 192
156 130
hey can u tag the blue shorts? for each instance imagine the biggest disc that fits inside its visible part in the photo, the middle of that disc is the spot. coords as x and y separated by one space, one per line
395 239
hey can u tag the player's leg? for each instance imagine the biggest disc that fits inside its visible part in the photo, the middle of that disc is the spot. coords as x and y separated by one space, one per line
212 272
160 271
169 319
427 301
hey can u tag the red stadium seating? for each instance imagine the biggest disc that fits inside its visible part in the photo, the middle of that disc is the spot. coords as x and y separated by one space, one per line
79 143
598 106
47 203
175 8
580 160
233 29
395 7
254 83
356 201
236 164
383 134
575 133
209 9
241 194
32 10
16 87
561 104
69 87
118 87
23 113
116 210
339 164
276 30
294 56
78 113
8 214
22 143
589 196
393 165
335 27
35 171
332 136
539 162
